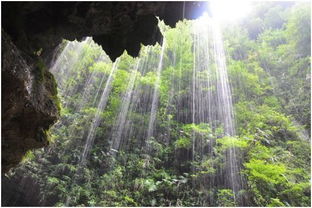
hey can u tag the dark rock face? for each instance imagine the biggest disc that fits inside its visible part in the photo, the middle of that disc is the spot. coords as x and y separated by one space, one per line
15 192
30 33
116 26
29 99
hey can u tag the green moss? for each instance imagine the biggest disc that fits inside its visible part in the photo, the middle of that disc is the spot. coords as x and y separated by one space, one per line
130 201
275 202
183 142
40 70
57 102
28 156
51 82
225 198
48 136
44 135
44 77
229 142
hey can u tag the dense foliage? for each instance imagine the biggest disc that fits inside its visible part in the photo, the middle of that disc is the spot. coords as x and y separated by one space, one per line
268 58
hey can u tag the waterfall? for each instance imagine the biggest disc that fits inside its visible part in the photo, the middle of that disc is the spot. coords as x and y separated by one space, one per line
55 65
215 106
156 94
64 67
138 104
98 89
94 124
100 108
88 85
120 123
206 99
227 111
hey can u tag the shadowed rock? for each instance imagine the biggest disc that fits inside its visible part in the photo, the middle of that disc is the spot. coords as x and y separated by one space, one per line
30 104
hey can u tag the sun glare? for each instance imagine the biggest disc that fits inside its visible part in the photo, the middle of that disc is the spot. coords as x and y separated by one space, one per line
230 10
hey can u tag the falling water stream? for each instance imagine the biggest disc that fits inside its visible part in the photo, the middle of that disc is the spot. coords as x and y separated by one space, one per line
215 106
226 109
96 121
120 123
211 99
151 125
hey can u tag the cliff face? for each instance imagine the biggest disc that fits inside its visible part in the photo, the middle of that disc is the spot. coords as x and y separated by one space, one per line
30 105
30 33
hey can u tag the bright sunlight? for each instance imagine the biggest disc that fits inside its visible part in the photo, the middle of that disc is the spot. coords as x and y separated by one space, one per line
227 11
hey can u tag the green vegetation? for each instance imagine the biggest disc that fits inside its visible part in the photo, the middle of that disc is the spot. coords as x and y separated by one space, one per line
185 162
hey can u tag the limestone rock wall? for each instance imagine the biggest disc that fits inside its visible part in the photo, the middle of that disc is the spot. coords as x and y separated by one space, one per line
29 104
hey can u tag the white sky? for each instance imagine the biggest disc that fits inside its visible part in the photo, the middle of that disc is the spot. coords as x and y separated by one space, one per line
230 10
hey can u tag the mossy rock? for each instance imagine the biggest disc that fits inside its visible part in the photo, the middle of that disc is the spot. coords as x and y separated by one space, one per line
46 79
